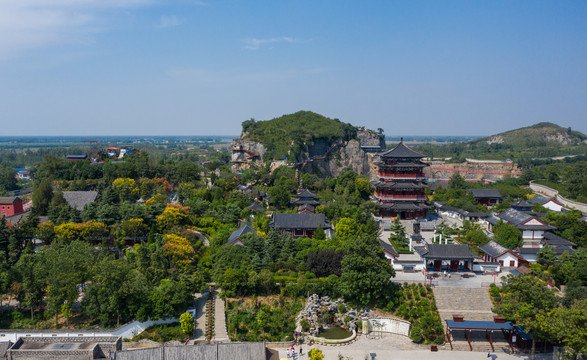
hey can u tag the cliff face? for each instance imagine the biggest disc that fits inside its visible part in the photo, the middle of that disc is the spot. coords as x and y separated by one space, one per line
321 157
245 151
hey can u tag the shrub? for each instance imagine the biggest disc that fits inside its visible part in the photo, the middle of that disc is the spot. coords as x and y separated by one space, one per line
186 321
310 275
494 290
315 354
341 308
416 333
439 340
305 324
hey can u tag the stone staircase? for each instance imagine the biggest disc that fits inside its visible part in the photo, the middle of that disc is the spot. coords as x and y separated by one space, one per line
473 304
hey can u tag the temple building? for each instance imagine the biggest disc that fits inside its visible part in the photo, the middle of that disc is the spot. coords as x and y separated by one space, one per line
401 185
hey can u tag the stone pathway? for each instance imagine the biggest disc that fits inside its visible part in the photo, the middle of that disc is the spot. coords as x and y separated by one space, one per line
219 322
200 320
473 303
393 346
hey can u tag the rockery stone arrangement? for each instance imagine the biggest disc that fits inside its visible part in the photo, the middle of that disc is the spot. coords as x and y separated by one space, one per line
322 312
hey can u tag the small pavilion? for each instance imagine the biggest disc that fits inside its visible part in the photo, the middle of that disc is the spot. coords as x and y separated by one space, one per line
468 326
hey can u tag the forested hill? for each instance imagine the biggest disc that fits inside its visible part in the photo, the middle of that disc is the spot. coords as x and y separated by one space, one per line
288 134
541 134
543 140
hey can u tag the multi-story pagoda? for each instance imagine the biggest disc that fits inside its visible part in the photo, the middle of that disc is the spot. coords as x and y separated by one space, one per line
401 185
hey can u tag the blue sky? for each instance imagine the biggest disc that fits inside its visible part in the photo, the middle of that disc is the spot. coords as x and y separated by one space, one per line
195 67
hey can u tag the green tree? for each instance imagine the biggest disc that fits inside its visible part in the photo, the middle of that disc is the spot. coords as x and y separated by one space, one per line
457 182
526 299
398 235
7 179
365 278
42 196
507 235
279 196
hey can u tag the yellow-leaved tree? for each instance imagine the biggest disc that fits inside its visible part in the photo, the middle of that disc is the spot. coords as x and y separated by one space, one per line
173 215
126 188
178 250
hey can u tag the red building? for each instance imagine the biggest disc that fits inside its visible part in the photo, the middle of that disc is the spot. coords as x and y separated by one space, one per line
10 206
401 185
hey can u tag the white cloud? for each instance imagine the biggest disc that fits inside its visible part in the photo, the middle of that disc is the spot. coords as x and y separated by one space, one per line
255 44
31 24
170 21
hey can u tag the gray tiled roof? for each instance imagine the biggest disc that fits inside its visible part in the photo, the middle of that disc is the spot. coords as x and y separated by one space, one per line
448 252
298 221
388 247
515 217
403 206
493 249
539 199
244 229
256 207
7 199
400 185
485 193
521 203
77 199
306 194
401 151
306 207
553 240
528 250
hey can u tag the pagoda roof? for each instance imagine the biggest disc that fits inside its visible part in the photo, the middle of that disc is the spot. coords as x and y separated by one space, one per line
401 151
312 202
410 164
306 194
404 206
400 185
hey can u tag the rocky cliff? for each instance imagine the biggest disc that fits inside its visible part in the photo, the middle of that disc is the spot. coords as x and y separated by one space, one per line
321 157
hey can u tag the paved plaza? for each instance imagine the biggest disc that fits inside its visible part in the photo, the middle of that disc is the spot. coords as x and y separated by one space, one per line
397 347
454 280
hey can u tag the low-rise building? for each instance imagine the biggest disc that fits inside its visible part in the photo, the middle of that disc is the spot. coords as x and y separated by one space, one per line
236 237
446 257
71 348
10 205
301 225
487 197
495 252
548 203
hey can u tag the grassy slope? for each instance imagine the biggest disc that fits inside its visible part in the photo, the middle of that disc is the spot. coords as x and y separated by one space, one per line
536 141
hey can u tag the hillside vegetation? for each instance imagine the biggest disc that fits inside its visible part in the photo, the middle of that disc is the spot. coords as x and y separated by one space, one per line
543 140
288 134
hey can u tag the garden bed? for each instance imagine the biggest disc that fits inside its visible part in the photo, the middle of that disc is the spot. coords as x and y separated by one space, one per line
417 305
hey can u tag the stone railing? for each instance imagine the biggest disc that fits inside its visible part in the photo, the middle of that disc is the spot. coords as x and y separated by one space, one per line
387 325
545 190
280 344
